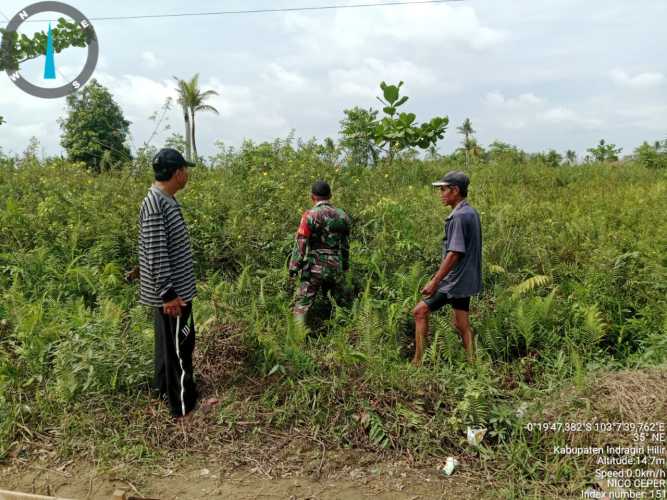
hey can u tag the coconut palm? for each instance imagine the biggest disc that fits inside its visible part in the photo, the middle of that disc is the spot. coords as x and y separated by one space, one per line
571 156
192 100
467 130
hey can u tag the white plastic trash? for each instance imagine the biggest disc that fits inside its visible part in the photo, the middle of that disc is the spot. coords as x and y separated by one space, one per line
475 436
450 465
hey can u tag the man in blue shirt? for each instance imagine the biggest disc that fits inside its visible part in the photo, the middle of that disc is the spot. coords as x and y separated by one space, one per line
460 274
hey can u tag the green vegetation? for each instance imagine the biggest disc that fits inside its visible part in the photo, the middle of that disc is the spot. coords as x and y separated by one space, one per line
575 277
366 137
605 152
652 156
95 130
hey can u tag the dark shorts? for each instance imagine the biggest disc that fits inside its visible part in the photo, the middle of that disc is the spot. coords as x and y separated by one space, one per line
439 299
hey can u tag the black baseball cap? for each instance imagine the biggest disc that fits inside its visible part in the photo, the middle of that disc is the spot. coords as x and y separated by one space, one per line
168 160
454 178
321 189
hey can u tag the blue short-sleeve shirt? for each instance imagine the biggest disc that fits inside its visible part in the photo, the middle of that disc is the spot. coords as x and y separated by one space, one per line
463 234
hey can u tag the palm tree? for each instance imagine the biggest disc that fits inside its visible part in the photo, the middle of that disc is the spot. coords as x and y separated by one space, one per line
182 89
571 156
191 98
467 130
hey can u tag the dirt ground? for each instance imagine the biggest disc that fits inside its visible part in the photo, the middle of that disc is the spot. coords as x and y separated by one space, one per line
384 481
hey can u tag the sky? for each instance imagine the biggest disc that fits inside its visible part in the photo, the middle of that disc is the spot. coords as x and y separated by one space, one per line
544 74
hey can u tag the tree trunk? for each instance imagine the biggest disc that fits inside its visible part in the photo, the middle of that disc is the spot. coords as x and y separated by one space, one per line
467 146
188 140
391 153
194 141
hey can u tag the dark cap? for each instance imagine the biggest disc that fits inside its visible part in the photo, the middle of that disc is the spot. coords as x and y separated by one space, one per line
169 160
454 178
321 189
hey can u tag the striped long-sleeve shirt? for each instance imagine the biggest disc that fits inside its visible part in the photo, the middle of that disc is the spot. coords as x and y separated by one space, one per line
165 254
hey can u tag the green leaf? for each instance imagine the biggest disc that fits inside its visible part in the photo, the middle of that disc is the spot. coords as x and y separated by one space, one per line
390 110
407 118
401 101
390 93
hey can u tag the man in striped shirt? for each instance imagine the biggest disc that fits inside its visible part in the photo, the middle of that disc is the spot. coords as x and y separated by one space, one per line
168 282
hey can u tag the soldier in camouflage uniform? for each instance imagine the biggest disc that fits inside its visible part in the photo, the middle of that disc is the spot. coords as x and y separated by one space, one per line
321 251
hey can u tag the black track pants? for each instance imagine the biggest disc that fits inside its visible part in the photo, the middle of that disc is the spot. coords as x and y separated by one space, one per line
174 344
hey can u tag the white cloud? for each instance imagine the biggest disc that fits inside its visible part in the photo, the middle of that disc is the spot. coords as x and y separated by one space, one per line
242 108
151 60
639 81
528 109
288 80
348 35
562 115
28 116
440 24
363 79
648 117
515 124
139 96
232 100
496 98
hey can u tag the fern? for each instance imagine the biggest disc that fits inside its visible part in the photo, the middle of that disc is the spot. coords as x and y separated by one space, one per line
376 431
531 320
593 328
530 284
544 305
409 417
525 320
368 322
446 343
474 407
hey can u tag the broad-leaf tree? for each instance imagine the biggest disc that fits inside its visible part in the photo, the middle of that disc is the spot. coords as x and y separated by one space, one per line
501 151
551 158
398 131
365 137
95 130
605 152
175 141
358 136
193 100
571 156
652 156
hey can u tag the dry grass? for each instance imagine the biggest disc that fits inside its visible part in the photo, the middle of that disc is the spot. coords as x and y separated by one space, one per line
629 396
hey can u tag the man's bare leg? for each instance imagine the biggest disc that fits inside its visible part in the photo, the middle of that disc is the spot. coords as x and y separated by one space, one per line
421 313
463 328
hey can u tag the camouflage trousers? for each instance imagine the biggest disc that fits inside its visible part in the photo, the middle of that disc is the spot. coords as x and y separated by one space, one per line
310 286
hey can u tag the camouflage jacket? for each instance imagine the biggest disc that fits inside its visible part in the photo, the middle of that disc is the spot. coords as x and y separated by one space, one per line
322 244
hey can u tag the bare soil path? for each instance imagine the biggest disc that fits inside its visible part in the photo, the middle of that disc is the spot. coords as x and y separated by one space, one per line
357 479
